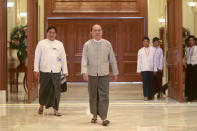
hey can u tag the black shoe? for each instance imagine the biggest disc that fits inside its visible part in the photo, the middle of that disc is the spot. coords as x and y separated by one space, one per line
150 98
94 120
57 114
105 122
40 111
145 98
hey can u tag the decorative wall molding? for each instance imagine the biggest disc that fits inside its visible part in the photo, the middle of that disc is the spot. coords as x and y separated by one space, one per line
104 7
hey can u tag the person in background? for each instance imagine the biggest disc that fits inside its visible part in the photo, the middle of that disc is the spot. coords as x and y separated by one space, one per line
159 65
195 41
187 68
146 67
191 82
50 60
96 57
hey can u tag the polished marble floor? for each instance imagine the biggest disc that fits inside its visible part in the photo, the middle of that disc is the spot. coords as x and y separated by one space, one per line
127 112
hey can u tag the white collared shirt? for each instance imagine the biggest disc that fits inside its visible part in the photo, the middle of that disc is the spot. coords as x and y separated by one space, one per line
50 57
97 40
146 60
159 58
191 55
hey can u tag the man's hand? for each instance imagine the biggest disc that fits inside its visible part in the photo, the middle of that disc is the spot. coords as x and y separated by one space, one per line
36 75
85 77
115 78
65 75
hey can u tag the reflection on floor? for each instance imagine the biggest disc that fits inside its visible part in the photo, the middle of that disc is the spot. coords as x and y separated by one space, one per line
78 91
127 112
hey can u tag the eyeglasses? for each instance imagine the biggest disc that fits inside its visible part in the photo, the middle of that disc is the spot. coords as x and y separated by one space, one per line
96 30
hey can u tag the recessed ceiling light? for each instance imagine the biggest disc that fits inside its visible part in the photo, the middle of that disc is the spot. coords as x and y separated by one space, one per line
23 14
192 4
10 4
162 20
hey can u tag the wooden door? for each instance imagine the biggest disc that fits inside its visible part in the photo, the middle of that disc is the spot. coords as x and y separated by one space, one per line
32 41
125 35
174 59
124 24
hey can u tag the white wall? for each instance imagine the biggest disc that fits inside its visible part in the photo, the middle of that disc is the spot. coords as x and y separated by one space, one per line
188 17
41 19
154 13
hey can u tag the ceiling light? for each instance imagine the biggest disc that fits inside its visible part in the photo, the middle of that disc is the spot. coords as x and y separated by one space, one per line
23 14
10 4
162 20
192 4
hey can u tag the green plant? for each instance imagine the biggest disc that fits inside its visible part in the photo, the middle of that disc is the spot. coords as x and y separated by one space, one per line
18 41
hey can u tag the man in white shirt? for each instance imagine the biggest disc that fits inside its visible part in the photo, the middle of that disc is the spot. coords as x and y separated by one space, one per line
146 67
191 73
159 65
96 57
50 60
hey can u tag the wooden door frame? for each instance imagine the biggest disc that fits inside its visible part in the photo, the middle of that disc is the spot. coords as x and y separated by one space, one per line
32 34
32 21
174 60
3 46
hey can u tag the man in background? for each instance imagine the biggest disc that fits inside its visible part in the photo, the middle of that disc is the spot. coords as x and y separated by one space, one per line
159 65
146 67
